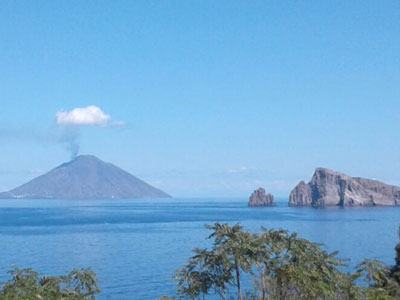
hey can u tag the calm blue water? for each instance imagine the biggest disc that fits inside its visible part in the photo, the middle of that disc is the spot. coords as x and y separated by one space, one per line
135 245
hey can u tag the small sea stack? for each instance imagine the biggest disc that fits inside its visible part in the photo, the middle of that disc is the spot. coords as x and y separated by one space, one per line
259 198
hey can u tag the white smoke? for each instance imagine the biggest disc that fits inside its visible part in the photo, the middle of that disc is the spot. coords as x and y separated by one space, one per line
69 137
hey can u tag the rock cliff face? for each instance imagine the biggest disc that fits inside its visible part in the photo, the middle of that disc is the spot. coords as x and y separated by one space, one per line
86 177
330 188
259 198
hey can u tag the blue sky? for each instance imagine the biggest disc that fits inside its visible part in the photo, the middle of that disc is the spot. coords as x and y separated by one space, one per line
217 97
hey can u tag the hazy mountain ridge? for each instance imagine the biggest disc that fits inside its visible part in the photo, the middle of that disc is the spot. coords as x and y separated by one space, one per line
86 177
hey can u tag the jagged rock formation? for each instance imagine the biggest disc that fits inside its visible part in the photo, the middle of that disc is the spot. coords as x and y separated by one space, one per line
259 198
86 177
330 188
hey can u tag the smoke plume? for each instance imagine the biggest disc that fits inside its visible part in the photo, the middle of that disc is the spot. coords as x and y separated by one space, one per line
69 137
65 130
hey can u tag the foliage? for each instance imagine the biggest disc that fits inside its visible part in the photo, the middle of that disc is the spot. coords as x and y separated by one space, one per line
79 284
380 285
164 297
395 272
295 268
283 266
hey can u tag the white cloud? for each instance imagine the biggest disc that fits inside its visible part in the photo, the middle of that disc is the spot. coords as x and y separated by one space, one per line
90 115
241 170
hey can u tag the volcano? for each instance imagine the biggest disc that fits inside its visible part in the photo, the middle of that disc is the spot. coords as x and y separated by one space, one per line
86 177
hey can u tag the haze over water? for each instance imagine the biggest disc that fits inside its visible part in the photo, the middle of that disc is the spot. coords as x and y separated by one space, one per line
135 245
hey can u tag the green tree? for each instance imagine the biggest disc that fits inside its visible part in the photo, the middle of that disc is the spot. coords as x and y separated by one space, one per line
283 266
26 284
195 278
295 268
377 277
219 267
233 244
395 272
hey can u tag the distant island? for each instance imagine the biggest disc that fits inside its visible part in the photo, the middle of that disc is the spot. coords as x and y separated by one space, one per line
331 188
86 177
259 198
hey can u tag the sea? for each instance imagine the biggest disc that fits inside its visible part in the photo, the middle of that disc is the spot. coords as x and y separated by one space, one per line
135 246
